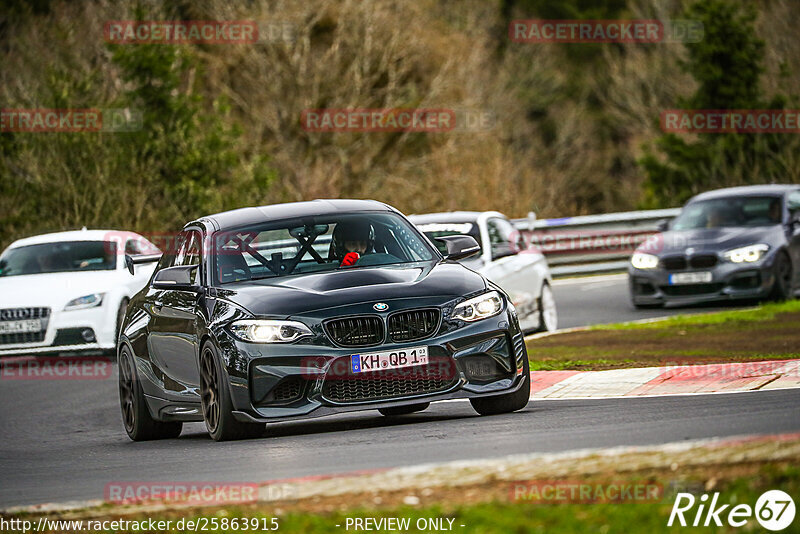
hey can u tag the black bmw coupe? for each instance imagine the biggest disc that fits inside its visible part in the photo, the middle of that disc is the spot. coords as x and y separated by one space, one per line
306 309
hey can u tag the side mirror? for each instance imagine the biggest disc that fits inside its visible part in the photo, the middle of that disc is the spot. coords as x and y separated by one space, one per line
662 225
179 277
130 261
795 223
502 250
459 246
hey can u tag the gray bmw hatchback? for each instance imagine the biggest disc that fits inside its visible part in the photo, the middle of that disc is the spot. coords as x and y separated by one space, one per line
734 243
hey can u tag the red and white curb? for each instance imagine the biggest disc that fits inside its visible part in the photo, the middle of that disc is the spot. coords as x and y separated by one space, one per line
667 380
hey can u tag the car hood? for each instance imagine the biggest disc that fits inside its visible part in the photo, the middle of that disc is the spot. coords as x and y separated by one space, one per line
294 295
53 290
710 239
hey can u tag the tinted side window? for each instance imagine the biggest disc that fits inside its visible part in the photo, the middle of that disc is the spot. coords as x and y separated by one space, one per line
184 251
501 233
191 252
132 247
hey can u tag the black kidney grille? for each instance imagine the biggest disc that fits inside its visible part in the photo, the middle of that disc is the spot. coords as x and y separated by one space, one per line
703 261
356 331
674 263
438 375
413 324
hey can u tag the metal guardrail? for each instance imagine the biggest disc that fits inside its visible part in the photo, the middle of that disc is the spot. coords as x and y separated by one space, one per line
590 244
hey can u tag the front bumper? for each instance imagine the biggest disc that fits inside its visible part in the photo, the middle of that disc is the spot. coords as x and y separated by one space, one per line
730 281
494 347
63 333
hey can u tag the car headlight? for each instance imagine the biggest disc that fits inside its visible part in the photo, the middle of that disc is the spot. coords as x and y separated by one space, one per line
640 260
480 307
269 331
87 301
747 254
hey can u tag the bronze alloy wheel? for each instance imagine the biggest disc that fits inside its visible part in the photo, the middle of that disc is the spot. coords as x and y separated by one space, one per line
215 400
127 394
209 394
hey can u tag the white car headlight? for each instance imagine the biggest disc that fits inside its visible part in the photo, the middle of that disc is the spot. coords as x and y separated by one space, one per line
480 307
87 301
746 254
269 331
640 260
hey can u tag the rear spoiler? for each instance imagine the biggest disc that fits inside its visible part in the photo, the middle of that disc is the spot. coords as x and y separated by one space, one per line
139 259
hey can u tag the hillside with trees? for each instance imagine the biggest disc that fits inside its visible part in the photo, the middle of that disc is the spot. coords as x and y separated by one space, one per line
574 130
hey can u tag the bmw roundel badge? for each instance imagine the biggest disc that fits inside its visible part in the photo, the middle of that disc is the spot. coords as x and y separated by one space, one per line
380 306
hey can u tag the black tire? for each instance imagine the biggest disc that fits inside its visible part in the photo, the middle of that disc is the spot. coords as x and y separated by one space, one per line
782 288
136 419
510 402
404 410
123 307
215 400
548 319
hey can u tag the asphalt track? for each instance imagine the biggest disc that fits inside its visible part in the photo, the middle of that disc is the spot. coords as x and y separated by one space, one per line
604 299
62 440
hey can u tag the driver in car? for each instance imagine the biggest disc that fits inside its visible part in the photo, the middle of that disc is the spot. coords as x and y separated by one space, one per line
351 240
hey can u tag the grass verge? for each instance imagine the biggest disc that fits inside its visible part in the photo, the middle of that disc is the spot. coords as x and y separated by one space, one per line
768 332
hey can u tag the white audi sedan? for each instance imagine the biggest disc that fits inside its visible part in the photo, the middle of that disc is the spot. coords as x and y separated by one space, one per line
67 292
505 259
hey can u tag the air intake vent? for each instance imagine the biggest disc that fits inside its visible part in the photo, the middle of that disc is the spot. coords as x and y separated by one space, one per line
438 375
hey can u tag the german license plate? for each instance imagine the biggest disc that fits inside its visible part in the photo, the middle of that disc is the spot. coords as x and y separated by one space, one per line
395 359
690 278
21 327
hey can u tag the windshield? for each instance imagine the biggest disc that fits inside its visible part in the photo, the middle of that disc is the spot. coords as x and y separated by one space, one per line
315 245
730 212
62 257
434 230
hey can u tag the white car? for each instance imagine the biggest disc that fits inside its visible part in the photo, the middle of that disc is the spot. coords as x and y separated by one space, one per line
67 292
520 271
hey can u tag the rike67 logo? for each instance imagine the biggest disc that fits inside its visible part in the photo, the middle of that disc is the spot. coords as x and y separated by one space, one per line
774 511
